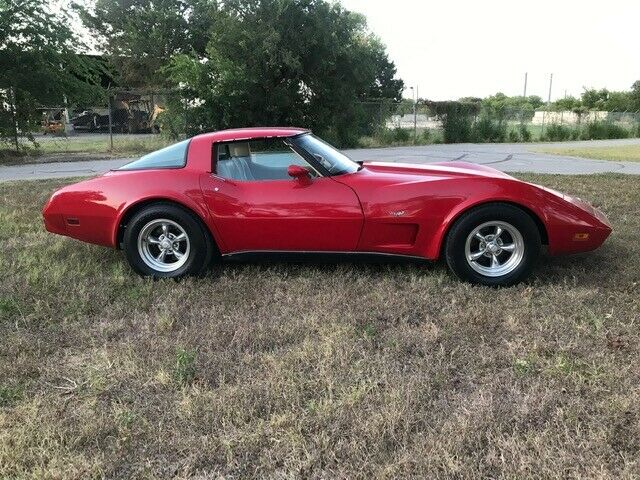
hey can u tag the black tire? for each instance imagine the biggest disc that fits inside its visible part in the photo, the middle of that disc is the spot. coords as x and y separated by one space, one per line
455 245
202 248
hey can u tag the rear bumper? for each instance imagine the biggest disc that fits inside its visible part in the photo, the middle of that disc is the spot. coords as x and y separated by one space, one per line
53 220
65 214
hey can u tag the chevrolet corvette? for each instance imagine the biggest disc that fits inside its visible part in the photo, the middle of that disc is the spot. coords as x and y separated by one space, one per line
258 192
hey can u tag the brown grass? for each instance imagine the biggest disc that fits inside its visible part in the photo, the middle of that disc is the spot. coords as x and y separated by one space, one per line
288 371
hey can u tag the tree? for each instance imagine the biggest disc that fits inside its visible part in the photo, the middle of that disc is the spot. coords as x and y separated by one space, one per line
635 96
141 36
501 107
39 65
619 102
595 99
288 62
566 104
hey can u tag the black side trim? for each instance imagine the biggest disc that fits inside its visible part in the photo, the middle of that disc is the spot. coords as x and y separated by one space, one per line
321 257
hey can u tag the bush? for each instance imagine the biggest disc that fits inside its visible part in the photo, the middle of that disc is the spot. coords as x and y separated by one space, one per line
485 129
557 133
391 136
401 135
601 130
525 133
514 136
456 128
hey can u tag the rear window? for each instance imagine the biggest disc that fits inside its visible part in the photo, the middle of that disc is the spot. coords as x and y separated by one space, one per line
173 156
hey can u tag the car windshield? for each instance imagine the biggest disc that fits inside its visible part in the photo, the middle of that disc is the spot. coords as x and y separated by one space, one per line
335 162
173 156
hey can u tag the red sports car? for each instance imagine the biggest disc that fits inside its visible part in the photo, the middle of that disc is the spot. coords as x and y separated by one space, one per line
263 191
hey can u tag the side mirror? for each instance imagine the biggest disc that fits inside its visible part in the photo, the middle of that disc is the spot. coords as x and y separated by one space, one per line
298 172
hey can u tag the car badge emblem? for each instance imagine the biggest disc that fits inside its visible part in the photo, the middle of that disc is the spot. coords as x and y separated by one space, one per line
398 213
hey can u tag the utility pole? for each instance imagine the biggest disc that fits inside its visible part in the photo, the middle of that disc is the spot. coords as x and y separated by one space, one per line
526 74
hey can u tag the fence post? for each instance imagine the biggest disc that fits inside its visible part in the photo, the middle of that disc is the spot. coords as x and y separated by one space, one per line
415 122
110 126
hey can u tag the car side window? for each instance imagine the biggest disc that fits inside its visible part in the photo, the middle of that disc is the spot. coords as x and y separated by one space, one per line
258 160
173 156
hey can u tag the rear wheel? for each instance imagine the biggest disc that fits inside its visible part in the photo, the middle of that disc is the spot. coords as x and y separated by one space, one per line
164 240
496 245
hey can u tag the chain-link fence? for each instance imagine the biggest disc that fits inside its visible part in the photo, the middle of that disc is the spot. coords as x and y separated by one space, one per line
131 122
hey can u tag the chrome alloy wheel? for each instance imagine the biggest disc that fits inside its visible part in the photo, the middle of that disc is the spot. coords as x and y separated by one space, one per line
494 249
163 245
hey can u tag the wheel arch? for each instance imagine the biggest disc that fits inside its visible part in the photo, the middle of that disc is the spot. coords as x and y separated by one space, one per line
136 207
542 229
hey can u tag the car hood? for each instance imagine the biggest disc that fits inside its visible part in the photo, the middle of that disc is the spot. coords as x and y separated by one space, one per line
447 169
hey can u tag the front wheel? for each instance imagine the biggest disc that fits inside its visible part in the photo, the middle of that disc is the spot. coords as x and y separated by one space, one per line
164 240
495 245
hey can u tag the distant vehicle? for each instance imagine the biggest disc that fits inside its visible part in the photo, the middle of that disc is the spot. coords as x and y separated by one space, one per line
262 192
52 121
90 121
130 116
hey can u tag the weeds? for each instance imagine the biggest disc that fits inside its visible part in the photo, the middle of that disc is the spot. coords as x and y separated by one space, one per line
185 369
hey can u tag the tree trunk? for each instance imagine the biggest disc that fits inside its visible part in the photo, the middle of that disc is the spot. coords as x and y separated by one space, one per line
12 103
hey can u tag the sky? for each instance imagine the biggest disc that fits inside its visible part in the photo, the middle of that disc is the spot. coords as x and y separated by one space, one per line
457 48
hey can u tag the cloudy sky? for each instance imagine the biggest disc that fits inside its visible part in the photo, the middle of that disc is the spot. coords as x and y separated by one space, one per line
456 48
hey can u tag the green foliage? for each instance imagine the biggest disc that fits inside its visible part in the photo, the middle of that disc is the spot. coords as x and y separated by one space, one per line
635 96
456 118
595 99
263 69
525 133
557 132
603 100
394 136
566 104
595 130
489 129
401 134
602 130
39 65
500 106
619 102
9 394
185 368
609 101
142 36
8 308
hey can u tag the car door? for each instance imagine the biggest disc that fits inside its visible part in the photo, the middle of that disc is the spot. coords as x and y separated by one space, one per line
257 206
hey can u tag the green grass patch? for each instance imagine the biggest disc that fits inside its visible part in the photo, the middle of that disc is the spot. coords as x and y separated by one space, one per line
618 153
79 147
121 145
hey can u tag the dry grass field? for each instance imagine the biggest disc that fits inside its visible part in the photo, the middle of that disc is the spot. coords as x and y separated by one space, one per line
318 371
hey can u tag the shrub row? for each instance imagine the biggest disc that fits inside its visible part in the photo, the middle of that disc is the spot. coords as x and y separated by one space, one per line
597 130
484 129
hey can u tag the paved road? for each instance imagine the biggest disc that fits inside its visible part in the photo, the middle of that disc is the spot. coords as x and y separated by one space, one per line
505 157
